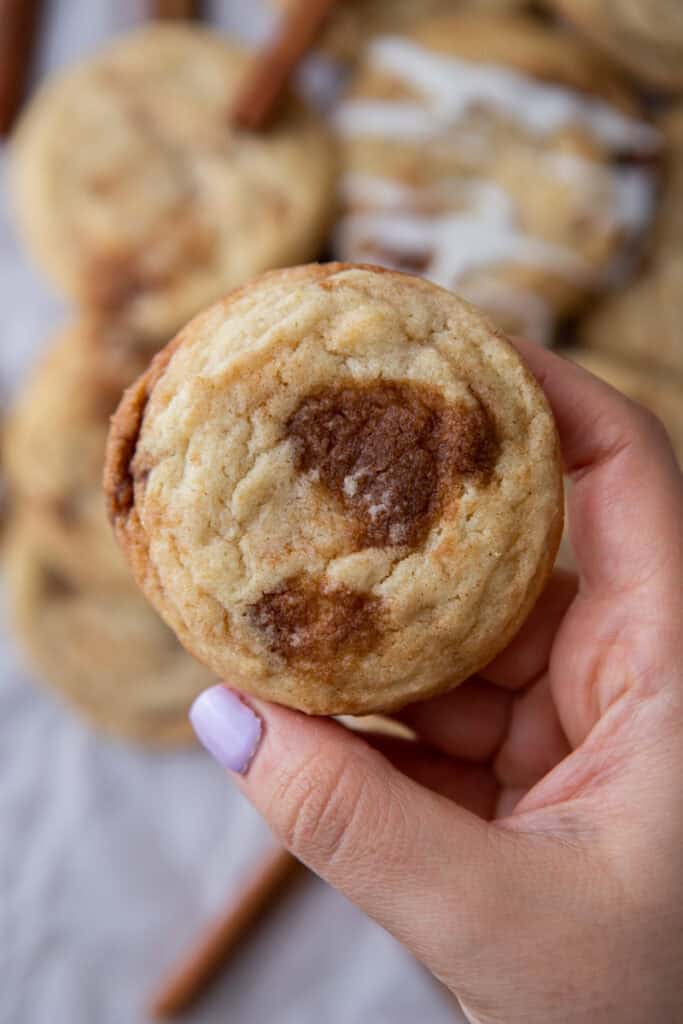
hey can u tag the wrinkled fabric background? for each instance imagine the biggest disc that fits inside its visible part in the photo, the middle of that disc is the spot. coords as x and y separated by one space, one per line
112 859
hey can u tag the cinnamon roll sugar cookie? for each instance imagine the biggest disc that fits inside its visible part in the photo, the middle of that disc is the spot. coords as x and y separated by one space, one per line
353 22
55 438
78 614
138 198
488 154
340 486
644 36
103 651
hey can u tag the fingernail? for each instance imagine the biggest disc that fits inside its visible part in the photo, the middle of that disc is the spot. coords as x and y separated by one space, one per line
226 727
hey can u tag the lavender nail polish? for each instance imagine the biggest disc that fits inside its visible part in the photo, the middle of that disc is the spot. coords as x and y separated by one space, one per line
228 729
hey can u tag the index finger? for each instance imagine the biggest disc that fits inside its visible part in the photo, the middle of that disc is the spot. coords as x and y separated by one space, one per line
626 502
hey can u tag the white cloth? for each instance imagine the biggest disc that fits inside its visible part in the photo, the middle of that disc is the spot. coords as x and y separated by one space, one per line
113 859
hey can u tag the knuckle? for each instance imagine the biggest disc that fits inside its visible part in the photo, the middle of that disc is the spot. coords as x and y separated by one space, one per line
317 807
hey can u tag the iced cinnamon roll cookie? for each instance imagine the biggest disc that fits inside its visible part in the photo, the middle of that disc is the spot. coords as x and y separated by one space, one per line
137 196
340 487
644 36
355 21
104 651
494 156
55 438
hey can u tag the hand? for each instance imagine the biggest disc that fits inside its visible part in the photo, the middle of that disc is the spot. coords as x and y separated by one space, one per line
529 848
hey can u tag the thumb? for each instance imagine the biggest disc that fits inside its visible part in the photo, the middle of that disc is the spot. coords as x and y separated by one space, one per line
410 858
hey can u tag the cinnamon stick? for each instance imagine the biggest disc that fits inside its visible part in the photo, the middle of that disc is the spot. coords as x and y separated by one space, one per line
265 83
196 969
18 32
187 9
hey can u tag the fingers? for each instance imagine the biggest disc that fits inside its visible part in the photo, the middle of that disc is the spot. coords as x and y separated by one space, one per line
535 741
527 656
470 722
407 856
625 505
472 786
508 801
515 738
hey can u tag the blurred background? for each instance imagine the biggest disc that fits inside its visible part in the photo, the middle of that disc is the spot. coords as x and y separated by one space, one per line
119 840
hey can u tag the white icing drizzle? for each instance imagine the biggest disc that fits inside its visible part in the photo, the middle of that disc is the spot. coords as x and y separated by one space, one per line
451 86
377 193
635 197
454 243
621 196
384 193
460 230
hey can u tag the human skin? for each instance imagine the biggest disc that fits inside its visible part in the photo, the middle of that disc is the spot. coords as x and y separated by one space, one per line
528 849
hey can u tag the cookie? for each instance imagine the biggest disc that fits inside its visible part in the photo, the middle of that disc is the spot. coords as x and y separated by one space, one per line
355 21
340 486
488 154
55 439
644 320
668 234
104 651
661 393
138 199
644 36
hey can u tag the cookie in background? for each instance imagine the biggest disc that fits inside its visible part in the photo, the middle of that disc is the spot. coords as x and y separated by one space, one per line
138 199
55 438
645 37
354 22
102 650
77 612
487 153
643 322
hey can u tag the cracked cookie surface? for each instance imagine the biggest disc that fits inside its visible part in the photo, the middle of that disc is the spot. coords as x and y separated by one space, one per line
340 486
138 198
